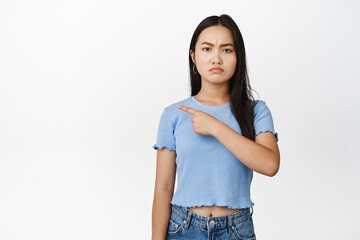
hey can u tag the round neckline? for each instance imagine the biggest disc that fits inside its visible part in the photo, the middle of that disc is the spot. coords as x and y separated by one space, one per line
208 106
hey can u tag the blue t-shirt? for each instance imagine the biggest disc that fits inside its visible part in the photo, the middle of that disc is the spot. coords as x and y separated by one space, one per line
208 173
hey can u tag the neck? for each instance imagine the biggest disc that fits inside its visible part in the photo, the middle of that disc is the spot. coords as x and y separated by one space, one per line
216 93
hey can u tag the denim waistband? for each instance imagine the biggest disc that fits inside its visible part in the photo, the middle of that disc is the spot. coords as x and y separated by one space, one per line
227 221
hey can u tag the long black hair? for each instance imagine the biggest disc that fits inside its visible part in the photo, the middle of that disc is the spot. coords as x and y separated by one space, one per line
239 85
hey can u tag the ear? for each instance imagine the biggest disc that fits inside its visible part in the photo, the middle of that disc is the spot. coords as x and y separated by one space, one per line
192 54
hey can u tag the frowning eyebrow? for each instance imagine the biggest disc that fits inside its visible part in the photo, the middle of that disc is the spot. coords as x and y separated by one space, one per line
222 45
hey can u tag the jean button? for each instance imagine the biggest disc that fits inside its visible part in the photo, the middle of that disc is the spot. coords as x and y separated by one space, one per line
212 222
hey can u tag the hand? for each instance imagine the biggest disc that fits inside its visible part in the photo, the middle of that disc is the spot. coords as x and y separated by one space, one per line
202 122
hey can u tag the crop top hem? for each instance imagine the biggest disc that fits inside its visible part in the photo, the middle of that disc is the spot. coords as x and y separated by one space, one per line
214 204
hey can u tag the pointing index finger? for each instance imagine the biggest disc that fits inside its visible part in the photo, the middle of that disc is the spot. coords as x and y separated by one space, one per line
186 109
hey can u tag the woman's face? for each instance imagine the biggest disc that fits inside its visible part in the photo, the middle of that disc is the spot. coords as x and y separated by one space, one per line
215 48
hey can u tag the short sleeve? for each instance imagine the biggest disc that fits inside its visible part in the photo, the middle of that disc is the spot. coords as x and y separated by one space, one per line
263 121
165 133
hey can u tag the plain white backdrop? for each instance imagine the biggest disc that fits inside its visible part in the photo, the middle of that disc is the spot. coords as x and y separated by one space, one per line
83 84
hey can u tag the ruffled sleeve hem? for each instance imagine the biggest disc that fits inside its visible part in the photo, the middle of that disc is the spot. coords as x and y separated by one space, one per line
156 146
275 133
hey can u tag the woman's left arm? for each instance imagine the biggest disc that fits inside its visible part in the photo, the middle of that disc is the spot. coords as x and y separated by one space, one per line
261 156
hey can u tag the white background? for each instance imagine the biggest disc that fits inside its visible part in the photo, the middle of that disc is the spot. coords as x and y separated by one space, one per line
83 84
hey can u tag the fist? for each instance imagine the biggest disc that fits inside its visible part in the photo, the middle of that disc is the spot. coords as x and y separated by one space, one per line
202 122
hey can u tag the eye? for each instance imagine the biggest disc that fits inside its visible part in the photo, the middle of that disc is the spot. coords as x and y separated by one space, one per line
229 50
205 48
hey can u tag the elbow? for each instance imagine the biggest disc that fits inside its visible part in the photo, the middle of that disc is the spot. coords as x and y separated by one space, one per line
272 173
274 168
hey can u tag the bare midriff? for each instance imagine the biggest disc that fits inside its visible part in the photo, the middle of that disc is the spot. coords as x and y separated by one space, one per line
214 211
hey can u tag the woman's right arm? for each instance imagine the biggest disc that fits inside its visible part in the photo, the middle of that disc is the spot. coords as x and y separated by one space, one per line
164 190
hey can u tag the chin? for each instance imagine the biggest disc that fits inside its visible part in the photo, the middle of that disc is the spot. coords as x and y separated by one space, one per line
217 79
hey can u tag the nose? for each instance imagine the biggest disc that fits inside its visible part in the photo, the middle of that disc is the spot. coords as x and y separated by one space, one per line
216 57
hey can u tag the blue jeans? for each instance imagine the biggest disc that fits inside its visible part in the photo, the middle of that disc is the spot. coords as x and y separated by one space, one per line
186 224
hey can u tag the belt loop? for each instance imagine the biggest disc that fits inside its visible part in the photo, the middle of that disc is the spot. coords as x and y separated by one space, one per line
187 221
230 224
252 211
